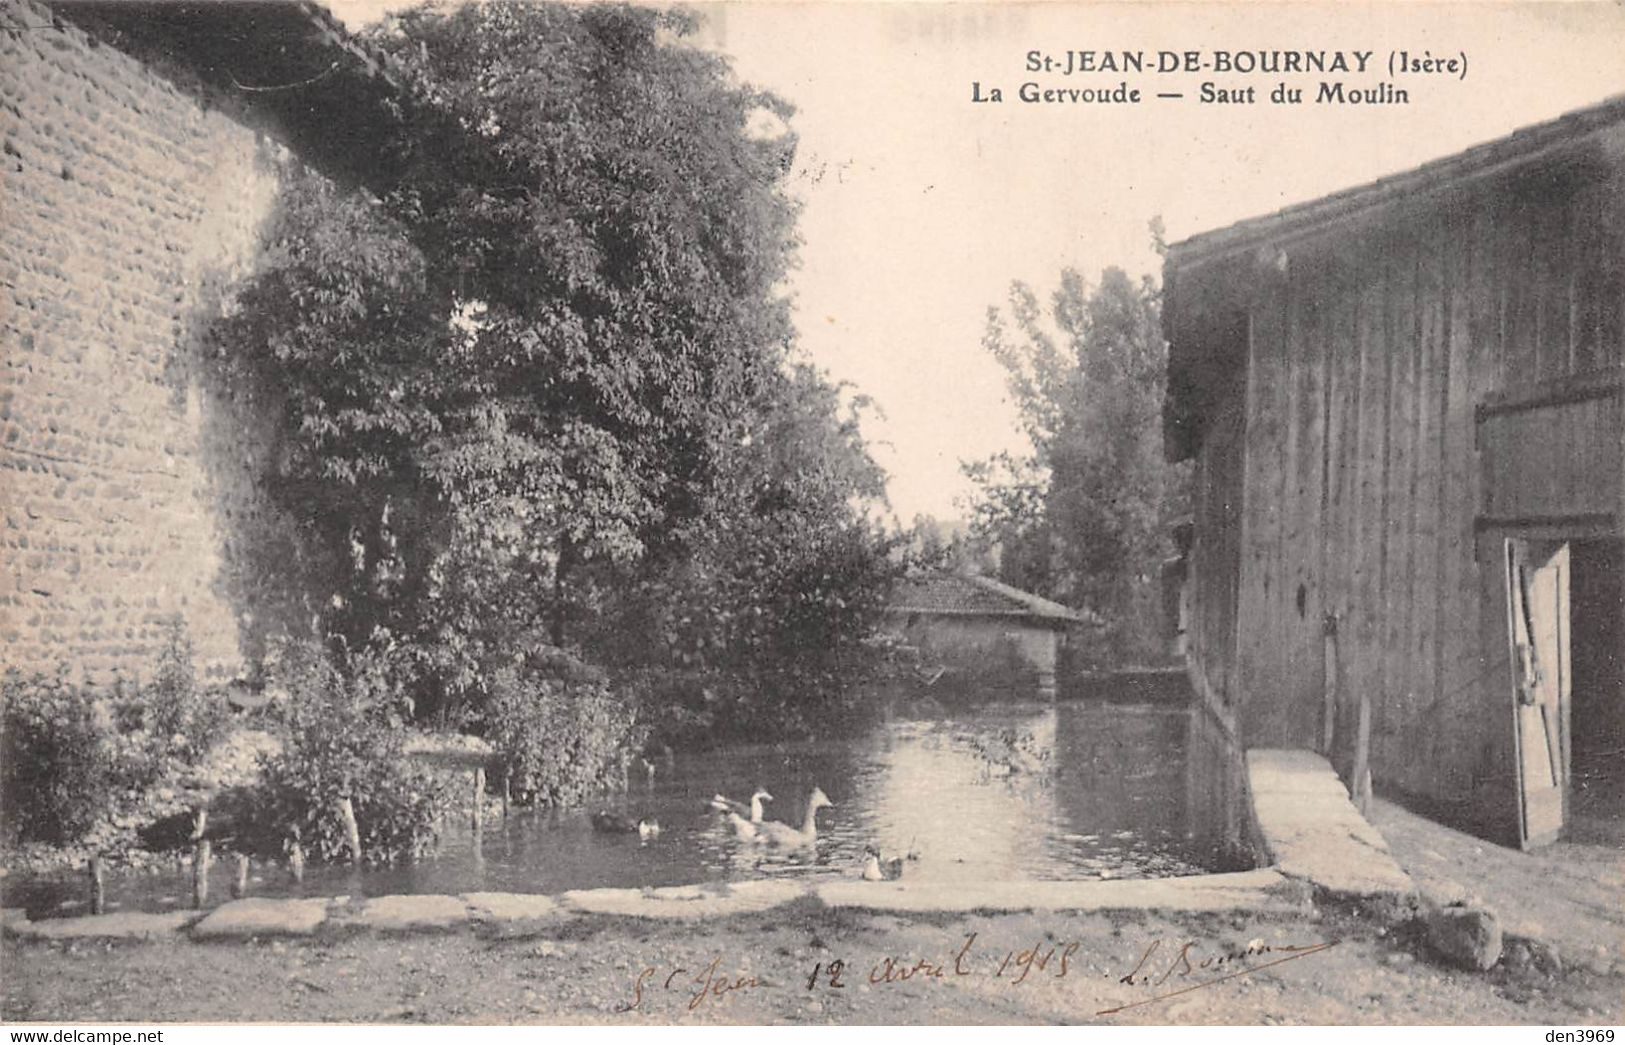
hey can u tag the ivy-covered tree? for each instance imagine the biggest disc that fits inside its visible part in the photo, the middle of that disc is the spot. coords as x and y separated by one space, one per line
539 377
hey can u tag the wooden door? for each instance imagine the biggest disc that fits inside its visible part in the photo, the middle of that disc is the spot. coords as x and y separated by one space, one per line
1538 603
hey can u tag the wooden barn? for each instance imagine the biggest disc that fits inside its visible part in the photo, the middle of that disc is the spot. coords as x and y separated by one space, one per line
1403 402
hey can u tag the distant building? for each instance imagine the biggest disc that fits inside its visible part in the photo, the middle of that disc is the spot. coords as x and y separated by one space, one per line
1403 402
978 626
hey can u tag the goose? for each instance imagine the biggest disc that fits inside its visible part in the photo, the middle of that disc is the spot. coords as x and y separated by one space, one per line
878 870
742 827
615 824
774 832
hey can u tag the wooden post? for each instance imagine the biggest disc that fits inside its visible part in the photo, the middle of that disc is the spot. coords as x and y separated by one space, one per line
296 861
352 830
201 858
1328 725
1360 778
239 884
98 894
507 794
479 799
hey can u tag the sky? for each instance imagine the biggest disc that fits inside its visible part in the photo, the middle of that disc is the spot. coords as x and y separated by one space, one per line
921 205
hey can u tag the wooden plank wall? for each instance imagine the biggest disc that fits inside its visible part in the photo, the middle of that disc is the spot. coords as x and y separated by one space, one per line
1215 559
1363 465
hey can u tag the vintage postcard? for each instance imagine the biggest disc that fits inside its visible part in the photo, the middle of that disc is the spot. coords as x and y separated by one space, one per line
812 513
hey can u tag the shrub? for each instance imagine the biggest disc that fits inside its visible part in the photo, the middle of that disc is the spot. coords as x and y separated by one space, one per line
60 770
345 740
558 728
184 719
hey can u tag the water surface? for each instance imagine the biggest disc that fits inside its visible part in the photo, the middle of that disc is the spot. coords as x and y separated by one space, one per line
1074 791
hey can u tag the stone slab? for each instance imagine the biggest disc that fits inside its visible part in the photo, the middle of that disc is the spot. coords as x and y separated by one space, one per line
510 907
1260 890
1316 835
1288 760
683 902
409 912
134 925
764 894
261 916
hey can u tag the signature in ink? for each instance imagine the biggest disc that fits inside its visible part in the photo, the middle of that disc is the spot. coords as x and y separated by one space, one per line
1158 967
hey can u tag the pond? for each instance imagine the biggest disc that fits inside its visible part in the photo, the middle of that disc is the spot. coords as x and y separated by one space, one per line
1069 791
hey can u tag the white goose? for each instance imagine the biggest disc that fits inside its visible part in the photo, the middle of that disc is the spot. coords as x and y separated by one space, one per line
775 833
743 828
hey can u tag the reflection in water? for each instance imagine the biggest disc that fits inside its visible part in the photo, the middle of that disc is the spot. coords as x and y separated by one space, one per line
1050 792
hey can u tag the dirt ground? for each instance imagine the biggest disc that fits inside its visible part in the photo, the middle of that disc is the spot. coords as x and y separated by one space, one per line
776 967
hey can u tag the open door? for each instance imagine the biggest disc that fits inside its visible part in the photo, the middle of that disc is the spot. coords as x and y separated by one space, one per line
1538 603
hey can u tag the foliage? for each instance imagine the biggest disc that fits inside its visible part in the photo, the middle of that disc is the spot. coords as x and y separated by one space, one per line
1084 519
344 739
76 752
951 546
544 373
183 720
558 729
59 770
764 607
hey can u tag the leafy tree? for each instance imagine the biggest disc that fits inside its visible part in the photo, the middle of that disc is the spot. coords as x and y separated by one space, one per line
1085 517
951 546
779 581
536 386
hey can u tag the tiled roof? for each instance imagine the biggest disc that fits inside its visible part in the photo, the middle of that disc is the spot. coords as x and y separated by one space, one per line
956 594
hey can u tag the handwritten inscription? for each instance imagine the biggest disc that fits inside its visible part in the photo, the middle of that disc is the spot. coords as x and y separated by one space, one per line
709 983
1168 968
1183 962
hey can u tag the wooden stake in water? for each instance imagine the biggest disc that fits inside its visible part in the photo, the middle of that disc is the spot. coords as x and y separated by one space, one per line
98 895
479 799
239 884
201 858
352 830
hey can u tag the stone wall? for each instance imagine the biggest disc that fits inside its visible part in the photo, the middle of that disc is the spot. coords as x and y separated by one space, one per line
130 208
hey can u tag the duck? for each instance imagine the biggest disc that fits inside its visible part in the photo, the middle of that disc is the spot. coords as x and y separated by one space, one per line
877 870
615 824
773 832
731 811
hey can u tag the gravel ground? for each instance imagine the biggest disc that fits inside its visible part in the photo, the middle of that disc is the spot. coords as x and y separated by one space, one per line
1021 969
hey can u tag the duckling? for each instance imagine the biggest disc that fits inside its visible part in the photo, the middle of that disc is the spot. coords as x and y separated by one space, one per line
615 824
878 870
730 809
775 833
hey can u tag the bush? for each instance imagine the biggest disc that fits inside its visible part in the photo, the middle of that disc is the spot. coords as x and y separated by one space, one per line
184 719
697 709
345 739
60 768
558 728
